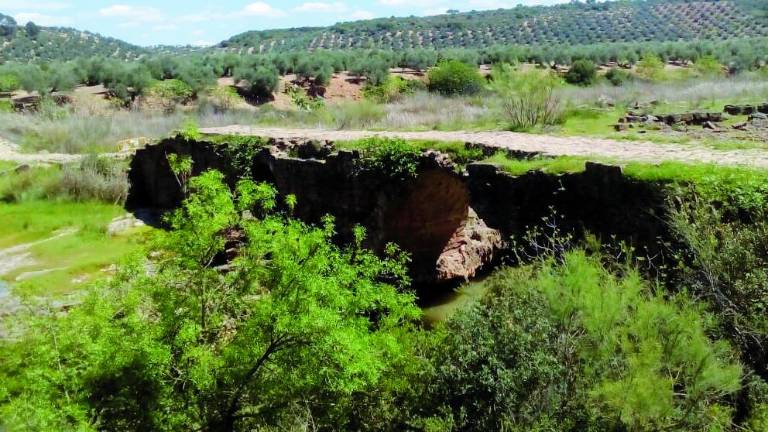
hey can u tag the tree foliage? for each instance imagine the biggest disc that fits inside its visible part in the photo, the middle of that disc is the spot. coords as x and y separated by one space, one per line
290 323
453 77
568 345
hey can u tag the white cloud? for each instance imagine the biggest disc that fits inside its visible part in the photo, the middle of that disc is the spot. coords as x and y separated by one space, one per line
261 9
134 13
410 3
362 15
202 43
32 5
41 19
322 7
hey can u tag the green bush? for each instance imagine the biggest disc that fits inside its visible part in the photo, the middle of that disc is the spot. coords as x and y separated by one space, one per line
259 82
392 89
293 323
453 77
651 67
502 360
6 106
9 82
374 69
92 179
528 99
582 72
618 77
726 262
171 90
709 66
223 98
567 345
392 157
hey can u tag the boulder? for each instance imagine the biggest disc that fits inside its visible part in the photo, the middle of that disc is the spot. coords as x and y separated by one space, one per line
469 249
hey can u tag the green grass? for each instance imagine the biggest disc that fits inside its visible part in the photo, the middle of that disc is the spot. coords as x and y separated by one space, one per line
458 151
599 122
78 258
739 187
557 165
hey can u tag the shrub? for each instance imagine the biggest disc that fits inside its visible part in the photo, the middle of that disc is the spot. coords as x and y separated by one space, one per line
302 100
392 157
295 322
374 69
651 67
356 115
501 360
708 66
582 72
566 344
223 98
171 90
392 89
168 94
259 82
95 178
453 77
92 179
726 263
9 82
618 77
528 99
6 106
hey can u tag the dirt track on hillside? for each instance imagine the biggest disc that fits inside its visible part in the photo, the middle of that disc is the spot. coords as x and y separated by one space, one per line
547 145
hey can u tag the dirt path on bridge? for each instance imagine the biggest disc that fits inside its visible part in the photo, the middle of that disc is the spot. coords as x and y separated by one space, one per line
623 151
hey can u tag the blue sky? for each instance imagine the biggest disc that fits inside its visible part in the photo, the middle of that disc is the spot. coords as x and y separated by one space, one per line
198 22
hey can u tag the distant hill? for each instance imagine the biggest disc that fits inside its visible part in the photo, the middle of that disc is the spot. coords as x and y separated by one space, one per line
572 24
32 42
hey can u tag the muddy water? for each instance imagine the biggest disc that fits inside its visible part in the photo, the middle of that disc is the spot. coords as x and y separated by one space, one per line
439 307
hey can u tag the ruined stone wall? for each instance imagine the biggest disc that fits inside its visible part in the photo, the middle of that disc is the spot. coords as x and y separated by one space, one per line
454 224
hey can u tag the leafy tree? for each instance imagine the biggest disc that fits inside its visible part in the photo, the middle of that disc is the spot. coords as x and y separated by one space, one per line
32 30
8 26
259 82
375 69
568 345
708 66
618 77
581 72
197 75
453 77
290 323
651 67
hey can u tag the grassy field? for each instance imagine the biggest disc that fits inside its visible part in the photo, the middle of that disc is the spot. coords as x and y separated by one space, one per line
68 244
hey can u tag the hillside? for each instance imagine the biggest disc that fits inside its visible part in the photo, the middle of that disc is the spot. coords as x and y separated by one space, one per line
32 42
574 23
